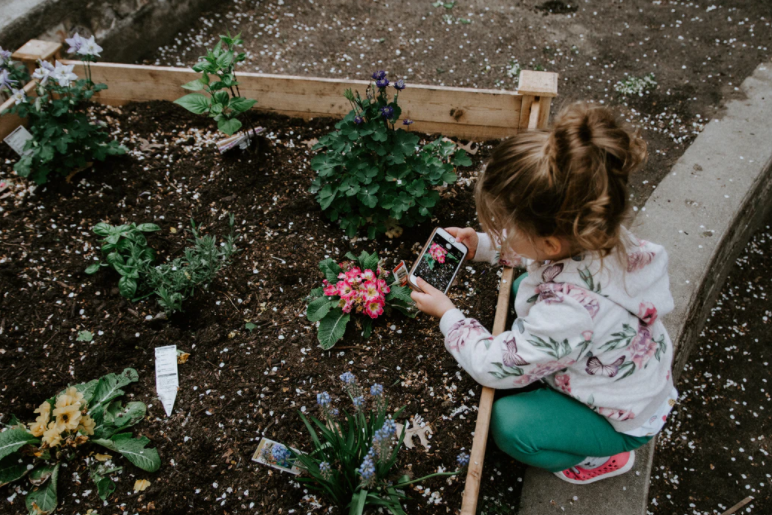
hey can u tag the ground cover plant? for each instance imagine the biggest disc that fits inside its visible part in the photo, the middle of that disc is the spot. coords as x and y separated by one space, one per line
218 78
126 251
64 140
71 421
354 454
373 176
359 286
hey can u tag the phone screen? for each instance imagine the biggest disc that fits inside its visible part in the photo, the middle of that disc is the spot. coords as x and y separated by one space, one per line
439 263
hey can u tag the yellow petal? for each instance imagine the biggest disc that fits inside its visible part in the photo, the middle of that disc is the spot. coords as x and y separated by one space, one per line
102 457
140 485
182 358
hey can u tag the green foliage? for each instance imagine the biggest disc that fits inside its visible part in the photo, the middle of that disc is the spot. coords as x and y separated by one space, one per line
63 138
373 176
103 421
363 292
224 103
126 251
353 455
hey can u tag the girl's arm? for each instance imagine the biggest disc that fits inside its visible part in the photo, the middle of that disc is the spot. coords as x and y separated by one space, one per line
555 335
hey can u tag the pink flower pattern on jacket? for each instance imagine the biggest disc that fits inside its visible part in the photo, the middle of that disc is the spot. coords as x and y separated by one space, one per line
463 331
616 414
639 259
563 382
643 347
542 370
549 291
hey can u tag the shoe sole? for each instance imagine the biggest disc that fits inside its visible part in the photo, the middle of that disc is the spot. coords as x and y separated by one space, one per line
628 466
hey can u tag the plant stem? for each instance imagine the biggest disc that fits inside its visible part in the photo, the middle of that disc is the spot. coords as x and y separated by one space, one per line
436 474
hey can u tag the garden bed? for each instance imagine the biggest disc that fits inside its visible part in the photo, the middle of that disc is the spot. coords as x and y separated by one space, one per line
237 385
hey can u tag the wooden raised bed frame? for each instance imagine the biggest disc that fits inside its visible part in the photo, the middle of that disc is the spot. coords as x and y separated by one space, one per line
478 114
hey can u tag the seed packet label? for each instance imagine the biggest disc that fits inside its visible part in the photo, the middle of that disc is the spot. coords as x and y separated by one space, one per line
18 138
400 273
166 378
263 456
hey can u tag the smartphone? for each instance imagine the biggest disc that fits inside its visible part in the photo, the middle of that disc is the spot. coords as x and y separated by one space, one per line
439 261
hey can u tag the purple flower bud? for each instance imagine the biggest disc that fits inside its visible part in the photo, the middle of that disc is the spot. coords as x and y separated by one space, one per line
379 75
400 84
382 83
358 120
387 112
407 121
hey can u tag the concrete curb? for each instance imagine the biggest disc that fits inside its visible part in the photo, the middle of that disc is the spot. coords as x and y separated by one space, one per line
703 212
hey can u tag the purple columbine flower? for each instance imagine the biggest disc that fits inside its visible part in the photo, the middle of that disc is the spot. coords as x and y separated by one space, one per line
75 43
5 56
387 112
5 80
382 83
358 120
379 75
400 84
407 121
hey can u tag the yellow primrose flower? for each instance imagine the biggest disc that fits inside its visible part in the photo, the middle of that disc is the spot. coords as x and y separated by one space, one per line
53 436
70 396
39 427
68 417
87 424
44 409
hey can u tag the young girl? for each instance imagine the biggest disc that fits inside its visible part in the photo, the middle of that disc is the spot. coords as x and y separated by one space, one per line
587 310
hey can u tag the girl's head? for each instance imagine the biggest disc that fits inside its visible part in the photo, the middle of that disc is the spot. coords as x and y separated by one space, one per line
561 191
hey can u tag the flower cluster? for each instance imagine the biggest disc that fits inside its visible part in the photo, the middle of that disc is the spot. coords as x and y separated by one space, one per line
68 424
380 450
359 290
62 74
82 46
438 253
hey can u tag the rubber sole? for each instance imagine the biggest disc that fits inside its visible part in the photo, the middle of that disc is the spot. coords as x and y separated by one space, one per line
628 466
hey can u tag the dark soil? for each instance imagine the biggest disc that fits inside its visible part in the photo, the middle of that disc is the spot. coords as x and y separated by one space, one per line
237 385
699 52
714 452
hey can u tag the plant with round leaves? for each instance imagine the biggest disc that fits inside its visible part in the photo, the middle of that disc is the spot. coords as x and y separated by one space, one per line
374 176
67 427
357 287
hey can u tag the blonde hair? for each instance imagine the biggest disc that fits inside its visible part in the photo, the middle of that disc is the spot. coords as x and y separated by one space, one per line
569 181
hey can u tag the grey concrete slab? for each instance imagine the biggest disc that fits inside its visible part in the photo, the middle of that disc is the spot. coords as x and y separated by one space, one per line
703 212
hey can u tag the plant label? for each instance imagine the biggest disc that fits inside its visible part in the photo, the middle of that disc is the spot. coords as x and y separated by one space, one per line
241 140
166 378
400 273
264 456
18 138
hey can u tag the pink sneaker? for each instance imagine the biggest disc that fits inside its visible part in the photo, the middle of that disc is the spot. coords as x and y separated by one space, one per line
614 466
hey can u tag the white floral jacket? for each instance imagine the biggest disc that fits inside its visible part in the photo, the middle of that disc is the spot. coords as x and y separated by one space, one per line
591 331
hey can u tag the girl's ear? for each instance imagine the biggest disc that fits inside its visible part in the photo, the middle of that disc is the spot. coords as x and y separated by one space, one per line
553 247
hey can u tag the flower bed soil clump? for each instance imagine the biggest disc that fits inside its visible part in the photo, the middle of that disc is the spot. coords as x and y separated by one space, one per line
238 384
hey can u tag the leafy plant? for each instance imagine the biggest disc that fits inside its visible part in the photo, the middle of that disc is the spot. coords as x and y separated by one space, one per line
218 79
639 86
67 424
357 286
63 139
371 174
126 251
353 456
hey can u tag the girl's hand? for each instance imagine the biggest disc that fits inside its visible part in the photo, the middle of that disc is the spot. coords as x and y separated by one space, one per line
431 301
468 237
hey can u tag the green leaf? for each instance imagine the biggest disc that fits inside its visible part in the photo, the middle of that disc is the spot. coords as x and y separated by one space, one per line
367 195
127 286
461 158
109 387
194 85
148 227
13 440
404 143
369 261
85 336
318 308
240 104
123 417
358 501
332 327
41 474
134 450
400 293
194 102
330 269
105 485
13 467
249 326
42 499
92 269
228 126
101 229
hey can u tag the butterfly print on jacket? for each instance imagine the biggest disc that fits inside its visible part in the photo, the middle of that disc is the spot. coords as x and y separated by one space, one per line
594 365
511 357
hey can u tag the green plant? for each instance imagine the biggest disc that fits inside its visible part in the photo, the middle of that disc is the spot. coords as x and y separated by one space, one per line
375 176
353 456
218 69
357 286
63 139
632 86
83 414
126 251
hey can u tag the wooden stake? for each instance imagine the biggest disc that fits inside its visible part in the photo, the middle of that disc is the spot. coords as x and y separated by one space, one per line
736 507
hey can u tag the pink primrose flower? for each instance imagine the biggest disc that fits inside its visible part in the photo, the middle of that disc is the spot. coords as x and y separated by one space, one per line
383 286
368 275
438 253
374 308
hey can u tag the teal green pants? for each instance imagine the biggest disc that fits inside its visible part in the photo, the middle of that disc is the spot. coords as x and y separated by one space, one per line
547 429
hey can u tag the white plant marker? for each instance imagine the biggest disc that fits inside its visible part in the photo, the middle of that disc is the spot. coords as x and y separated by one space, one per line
17 139
166 378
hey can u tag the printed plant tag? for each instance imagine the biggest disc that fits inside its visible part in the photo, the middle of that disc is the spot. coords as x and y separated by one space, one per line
264 456
400 273
18 138
166 378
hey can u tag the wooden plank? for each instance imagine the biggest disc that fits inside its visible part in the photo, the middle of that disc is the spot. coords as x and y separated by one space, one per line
490 113
538 84
35 49
533 119
544 112
525 111
480 442
9 122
